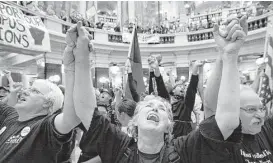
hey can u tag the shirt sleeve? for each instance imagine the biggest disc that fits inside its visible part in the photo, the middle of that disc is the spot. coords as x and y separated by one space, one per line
182 110
191 92
207 143
161 88
50 134
151 87
6 111
107 139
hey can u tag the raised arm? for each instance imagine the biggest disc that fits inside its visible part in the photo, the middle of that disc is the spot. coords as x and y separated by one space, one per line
212 89
84 93
228 104
192 88
14 88
160 85
200 86
68 119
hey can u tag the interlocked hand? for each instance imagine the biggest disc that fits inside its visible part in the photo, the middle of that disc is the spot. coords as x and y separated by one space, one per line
231 39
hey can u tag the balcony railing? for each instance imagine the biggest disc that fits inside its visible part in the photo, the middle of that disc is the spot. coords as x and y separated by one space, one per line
167 40
115 38
58 25
200 36
253 24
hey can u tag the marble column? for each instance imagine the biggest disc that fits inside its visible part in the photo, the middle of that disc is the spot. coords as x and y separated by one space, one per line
119 13
131 11
125 14
82 8
182 11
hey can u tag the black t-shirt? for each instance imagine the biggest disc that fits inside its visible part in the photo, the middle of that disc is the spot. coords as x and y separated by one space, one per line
32 141
257 148
204 145
67 148
182 110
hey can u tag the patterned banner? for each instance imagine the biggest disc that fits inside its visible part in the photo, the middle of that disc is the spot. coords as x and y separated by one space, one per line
21 31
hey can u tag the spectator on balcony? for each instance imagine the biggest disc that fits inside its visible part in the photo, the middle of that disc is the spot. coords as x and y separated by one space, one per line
50 11
99 25
130 27
75 16
117 28
63 15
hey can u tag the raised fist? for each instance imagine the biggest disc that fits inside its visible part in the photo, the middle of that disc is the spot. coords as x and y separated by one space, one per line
153 63
71 36
231 39
83 44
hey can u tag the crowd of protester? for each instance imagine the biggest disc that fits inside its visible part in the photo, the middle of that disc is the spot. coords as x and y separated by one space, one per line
166 27
48 123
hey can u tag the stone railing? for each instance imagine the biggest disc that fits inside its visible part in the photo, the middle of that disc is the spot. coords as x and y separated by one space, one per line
58 26
199 36
167 39
116 38
257 22
253 24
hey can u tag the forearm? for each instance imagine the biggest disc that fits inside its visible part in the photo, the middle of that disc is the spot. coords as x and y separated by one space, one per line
12 99
191 92
200 87
68 119
212 89
84 94
228 105
151 87
161 88
117 100
69 115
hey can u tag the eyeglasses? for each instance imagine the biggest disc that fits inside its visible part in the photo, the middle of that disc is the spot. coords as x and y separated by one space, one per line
254 109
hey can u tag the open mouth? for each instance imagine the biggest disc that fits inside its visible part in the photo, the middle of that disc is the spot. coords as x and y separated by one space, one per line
153 117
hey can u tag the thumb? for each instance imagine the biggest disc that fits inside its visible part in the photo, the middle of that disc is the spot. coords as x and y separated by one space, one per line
244 24
80 29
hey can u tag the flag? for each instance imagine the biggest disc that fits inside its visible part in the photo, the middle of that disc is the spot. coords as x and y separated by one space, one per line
91 12
265 93
268 53
136 66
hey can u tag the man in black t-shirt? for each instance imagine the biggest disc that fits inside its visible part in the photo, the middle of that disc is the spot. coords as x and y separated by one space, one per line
257 142
151 126
28 132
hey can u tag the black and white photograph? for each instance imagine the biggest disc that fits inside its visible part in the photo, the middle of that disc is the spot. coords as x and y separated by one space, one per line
136 81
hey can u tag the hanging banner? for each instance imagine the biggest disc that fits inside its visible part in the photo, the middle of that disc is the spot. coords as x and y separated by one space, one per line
142 38
21 31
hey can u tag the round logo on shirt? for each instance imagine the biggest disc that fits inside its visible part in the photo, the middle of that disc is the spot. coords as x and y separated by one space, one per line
3 129
25 131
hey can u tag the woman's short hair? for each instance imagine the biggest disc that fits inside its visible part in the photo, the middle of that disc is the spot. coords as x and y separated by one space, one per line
132 127
54 96
127 106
